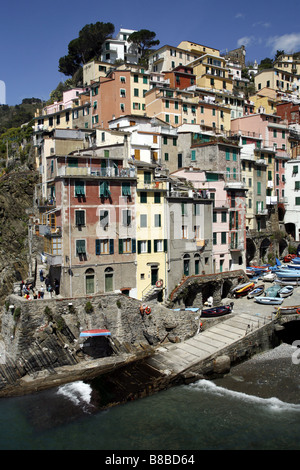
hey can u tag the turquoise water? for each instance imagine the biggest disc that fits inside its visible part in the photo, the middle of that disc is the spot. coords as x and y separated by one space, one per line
199 416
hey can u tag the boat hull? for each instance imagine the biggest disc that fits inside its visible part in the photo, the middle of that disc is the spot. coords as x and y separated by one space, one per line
259 290
268 300
217 311
290 310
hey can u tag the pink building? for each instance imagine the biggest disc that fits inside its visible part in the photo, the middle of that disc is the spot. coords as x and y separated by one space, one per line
228 218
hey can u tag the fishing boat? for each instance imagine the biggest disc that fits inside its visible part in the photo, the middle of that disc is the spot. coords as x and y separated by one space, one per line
286 291
295 260
243 289
288 282
212 312
273 291
96 332
269 300
288 310
288 274
268 277
259 290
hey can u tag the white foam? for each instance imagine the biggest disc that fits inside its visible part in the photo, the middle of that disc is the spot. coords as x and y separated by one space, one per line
272 403
78 392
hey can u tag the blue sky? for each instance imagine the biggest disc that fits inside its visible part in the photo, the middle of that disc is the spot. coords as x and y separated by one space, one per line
35 34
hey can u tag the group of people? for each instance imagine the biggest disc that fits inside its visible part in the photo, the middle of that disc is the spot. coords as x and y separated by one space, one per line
27 289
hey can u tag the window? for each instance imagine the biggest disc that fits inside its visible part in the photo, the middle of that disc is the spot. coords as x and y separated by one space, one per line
104 189
258 188
158 246
184 231
157 220
227 154
147 177
214 238
126 189
122 93
80 247
223 238
143 220
295 169
143 197
126 218
79 218
223 216
157 198
193 156
143 246
136 92
105 246
174 141
127 245
79 188
104 219
136 78
166 157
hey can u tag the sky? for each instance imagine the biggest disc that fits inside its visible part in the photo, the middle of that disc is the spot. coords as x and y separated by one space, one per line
34 34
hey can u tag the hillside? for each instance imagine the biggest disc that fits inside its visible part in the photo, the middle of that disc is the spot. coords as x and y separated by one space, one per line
15 116
16 195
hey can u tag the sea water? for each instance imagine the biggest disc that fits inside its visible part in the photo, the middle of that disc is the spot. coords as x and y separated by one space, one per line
245 410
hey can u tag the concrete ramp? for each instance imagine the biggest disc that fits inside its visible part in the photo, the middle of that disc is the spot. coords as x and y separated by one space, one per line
176 358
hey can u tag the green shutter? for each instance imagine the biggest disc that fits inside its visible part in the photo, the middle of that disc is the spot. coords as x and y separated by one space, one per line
157 198
80 247
98 247
149 246
133 245
79 217
139 246
104 189
120 246
155 246
111 246
79 188
126 189
165 245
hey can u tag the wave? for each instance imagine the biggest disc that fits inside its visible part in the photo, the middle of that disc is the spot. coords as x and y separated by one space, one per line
78 393
272 403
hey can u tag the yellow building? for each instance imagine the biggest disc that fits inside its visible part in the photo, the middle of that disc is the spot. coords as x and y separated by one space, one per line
211 73
151 234
266 99
198 48
277 79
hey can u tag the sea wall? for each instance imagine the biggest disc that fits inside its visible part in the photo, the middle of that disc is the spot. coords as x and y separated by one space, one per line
44 335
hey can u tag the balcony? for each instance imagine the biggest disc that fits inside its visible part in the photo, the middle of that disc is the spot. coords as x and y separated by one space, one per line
109 172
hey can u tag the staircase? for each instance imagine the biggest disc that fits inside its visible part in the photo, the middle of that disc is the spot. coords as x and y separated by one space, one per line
40 265
150 292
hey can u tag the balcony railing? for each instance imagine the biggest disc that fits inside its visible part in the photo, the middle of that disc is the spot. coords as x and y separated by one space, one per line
109 172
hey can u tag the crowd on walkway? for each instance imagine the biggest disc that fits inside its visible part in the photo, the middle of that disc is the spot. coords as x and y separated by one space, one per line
30 292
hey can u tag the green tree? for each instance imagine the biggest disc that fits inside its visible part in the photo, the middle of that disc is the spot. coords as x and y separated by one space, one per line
278 54
87 46
145 40
266 63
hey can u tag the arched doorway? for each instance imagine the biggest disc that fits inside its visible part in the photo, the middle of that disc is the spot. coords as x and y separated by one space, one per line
186 265
251 250
264 246
109 279
90 281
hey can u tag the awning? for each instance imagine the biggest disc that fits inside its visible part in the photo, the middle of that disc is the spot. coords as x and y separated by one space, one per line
97 332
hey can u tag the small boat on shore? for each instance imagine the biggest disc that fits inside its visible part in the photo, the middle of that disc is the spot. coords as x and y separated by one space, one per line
288 310
243 289
219 311
268 277
285 291
259 290
269 300
273 291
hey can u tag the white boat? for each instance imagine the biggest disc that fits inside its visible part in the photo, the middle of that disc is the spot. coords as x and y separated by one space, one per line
286 291
268 277
288 282
269 300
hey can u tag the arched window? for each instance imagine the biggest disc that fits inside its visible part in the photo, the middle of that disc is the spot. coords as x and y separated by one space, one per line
109 279
90 281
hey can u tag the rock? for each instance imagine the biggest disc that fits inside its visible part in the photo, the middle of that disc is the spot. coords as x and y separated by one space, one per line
221 365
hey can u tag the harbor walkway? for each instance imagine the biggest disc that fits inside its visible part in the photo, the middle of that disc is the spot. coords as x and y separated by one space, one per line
178 357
